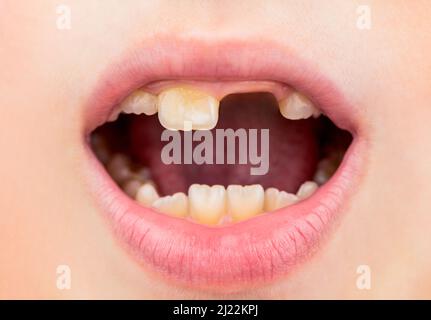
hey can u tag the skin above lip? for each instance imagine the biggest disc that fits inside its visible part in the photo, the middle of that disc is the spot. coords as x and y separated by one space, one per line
249 253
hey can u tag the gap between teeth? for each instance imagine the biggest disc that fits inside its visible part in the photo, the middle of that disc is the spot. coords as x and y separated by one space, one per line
180 105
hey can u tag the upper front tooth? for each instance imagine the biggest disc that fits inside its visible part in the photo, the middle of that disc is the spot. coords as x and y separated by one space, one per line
245 202
207 204
275 199
306 189
297 106
187 109
140 102
175 205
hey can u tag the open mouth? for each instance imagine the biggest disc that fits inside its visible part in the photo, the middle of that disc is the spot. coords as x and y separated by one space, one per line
304 148
220 176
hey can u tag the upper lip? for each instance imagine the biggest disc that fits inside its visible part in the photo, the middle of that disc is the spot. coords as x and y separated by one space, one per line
254 251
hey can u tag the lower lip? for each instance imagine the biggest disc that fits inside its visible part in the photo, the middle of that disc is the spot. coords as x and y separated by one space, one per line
249 253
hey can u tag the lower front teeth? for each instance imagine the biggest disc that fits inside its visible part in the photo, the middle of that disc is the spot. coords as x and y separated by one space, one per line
213 205
209 205
245 202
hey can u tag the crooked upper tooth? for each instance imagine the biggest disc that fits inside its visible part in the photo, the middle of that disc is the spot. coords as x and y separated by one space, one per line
296 106
187 109
207 204
307 189
275 199
146 194
245 202
140 102
175 205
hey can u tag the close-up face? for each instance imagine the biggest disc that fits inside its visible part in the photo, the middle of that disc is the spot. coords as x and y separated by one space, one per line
211 149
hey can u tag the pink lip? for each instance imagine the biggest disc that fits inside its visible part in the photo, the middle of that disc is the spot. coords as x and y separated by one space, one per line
245 254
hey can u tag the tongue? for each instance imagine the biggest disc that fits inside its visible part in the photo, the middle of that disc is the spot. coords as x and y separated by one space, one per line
293 148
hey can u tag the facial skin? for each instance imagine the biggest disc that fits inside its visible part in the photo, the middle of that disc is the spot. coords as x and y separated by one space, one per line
48 218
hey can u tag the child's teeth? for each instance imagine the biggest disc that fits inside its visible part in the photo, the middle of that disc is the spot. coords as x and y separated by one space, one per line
207 204
306 189
245 202
175 205
296 106
212 205
146 194
140 102
181 107
275 199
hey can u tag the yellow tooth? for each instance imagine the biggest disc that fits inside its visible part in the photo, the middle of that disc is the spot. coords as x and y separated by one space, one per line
179 107
146 194
296 106
175 205
306 189
245 202
140 102
275 199
207 204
